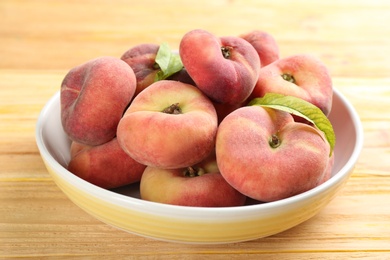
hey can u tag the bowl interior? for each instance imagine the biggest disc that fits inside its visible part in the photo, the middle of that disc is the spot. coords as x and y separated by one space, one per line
56 146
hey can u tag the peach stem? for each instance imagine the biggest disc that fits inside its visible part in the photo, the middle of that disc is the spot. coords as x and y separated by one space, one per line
173 109
193 171
288 77
275 141
226 51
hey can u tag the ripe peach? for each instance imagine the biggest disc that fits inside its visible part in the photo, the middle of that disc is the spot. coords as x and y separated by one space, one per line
141 58
94 96
264 44
303 76
106 165
328 171
200 185
267 156
224 68
169 125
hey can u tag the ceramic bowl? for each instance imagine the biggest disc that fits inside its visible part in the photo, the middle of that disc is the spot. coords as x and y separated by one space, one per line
122 208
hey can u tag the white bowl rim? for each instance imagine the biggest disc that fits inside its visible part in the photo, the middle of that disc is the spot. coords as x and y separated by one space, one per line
196 212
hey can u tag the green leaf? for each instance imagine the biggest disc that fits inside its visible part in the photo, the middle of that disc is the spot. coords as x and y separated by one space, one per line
169 62
301 108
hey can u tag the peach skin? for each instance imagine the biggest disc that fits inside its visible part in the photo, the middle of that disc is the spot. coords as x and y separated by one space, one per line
94 96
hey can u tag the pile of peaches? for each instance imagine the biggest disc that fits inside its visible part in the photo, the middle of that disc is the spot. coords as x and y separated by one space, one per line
222 121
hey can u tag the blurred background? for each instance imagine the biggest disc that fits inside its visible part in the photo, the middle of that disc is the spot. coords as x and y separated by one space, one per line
51 35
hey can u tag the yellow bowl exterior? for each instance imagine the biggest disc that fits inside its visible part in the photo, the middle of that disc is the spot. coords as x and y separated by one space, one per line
191 230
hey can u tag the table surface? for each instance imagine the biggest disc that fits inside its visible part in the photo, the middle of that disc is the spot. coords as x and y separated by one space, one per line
41 40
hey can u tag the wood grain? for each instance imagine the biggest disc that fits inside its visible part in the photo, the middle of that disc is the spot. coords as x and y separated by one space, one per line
351 36
41 40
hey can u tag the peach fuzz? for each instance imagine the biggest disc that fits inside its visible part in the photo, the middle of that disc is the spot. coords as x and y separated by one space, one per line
106 165
141 58
328 171
224 68
184 187
94 96
169 125
303 76
264 44
267 156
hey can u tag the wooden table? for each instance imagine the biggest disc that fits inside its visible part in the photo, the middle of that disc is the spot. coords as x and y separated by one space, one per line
41 40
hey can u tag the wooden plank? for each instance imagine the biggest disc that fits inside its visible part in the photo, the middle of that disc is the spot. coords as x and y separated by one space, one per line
351 37
37 219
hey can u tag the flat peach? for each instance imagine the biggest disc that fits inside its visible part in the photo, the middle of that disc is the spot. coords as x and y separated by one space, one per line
94 96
